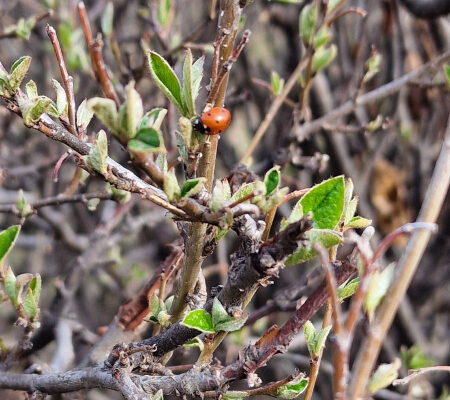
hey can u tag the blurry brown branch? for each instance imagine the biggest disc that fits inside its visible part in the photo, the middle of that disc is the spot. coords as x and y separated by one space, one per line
66 78
95 53
55 201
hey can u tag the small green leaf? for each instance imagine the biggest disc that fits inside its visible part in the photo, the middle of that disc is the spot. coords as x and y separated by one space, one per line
326 237
294 388
156 305
276 82
31 298
84 115
192 187
222 321
7 239
307 22
347 289
18 72
99 153
378 286
272 180
322 37
320 339
323 57
31 89
10 286
147 140
221 195
171 186
414 358
192 76
153 118
22 205
375 124
199 320
247 189
32 110
196 342
119 195
134 111
105 110
166 79
372 66
168 302
350 209
326 202
358 223
332 4
163 12
92 204
181 145
107 19
61 98
235 395
446 68
310 334
384 376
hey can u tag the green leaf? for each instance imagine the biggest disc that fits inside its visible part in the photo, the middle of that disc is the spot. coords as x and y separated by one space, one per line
296 215
414 358
153 118
171 186
196 342
347 289
166 79
320 339
322 37
276 82
310 334
118 195
221 195
323 57
192 187
350 209
192 76
61 98
199 320
32 110
147 140
105 110
378 286
294 388
247 189
446 68
7 239
332 4
222 321
134 111
163 12
18 71
272 180
307 22
326 237
31 89
22 205
326 202
99 153
358 223
10 286
31 299
384 376
84 115
372 66
107 19
235 394
181 146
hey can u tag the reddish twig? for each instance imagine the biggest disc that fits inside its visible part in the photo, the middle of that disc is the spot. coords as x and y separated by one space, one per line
66 78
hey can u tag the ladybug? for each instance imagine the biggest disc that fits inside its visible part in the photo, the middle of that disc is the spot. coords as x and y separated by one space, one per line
214 121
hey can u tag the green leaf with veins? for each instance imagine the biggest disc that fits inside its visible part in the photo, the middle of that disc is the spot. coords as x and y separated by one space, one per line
199 320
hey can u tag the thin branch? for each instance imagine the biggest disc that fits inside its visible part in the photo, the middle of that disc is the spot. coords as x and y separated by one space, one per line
56 201
95 53
407 266
364 99
421 371
276 104
66 78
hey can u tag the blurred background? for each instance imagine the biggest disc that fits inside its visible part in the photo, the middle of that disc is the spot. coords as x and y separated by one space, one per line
113 249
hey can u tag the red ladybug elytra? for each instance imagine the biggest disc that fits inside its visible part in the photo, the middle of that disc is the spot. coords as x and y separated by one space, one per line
216 120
